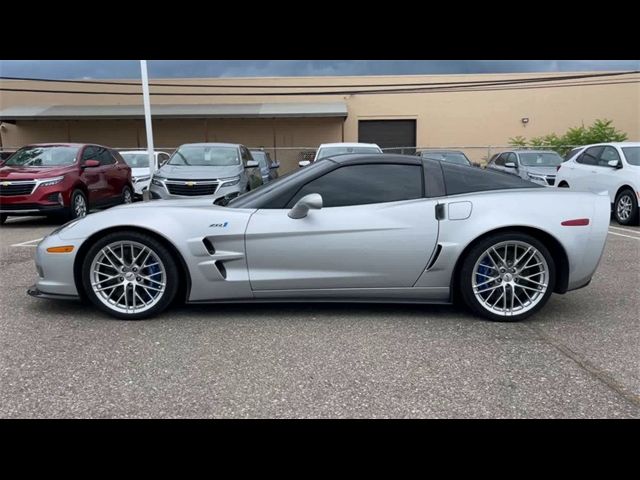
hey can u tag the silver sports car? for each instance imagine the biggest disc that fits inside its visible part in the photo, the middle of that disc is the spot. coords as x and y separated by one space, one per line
351 228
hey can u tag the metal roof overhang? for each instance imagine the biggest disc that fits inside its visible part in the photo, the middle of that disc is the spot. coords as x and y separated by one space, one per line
238 110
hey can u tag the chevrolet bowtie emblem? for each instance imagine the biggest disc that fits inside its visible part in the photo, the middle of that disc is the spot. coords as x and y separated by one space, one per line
5 184
190 184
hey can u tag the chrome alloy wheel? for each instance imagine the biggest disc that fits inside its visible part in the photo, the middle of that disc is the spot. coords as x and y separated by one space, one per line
79 206
510 278
128 277
624 207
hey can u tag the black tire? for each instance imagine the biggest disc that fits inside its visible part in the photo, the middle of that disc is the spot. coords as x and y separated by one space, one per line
465 279
74 210
172 273
628 196
3 218
127 195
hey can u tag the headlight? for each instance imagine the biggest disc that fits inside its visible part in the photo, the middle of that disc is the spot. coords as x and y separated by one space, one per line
65 226
537 179
229 182
47 182
157 180
144 178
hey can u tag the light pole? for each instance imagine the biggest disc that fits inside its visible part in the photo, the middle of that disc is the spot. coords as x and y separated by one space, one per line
147 122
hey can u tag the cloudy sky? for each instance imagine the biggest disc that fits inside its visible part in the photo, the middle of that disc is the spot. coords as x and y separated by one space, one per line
75 69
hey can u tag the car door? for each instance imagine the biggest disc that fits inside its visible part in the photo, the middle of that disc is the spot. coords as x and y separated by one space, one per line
607 177
115 177
582 176
375 230
93 177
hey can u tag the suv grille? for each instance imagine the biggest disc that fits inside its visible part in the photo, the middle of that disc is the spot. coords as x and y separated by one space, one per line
16 188
191 188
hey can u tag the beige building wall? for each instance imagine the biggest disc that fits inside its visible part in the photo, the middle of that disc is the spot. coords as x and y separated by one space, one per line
443 119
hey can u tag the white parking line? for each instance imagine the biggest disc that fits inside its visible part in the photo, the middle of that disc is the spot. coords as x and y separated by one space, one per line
621 235
26 244
637 232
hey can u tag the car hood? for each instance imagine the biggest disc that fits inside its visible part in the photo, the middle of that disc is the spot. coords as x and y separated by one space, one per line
192 173
541 170
140 171
187 203
29 173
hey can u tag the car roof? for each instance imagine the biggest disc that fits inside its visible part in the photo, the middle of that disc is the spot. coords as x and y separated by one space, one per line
139 151
211 144
362 158
614 144
440 150
348 144
63 144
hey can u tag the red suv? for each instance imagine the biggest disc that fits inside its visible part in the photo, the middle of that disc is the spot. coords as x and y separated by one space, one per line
67 179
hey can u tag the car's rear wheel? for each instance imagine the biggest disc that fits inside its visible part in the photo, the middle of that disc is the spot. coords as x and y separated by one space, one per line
130 275
79 207
626 208
507 277
127 195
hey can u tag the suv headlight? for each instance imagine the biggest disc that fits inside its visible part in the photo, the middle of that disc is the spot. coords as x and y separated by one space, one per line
229 182
142 178
158 180
47 182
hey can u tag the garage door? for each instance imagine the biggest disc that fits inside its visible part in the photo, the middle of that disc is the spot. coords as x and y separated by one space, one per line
389 134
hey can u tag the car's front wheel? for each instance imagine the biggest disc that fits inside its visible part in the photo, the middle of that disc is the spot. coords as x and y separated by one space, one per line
130 275
507 277
79 206
626 208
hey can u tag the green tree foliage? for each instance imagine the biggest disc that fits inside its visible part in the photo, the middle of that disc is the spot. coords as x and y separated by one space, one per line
600 131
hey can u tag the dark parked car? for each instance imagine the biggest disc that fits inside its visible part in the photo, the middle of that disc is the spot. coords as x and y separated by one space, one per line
268 167
62 179
451 156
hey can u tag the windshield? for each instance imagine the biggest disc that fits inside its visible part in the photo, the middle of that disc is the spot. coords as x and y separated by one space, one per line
540 159
205 156
136 160
451 157
330 151
632 154
43 157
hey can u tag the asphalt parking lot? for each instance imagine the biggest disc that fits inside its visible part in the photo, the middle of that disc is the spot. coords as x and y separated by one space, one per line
578 358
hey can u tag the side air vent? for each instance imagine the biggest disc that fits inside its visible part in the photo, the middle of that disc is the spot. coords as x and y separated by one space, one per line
209 246
221 269
435 256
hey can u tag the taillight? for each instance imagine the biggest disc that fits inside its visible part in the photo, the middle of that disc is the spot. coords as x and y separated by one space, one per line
578 222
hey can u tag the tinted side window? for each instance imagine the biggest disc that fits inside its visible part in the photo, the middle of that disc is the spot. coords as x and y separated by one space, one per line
500 161
246 155
608 154
105 157
90 153
365 184
460 179
590 156
512 158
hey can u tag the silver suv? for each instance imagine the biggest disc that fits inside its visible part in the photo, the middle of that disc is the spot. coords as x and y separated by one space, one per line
221 171
537 166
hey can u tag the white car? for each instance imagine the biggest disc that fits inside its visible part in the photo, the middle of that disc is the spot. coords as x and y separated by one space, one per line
138 160
330 149
614 167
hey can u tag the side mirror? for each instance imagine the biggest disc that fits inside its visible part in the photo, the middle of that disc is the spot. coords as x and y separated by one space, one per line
510 165
614 163
304 163
313 201
275 165
251 164
90 164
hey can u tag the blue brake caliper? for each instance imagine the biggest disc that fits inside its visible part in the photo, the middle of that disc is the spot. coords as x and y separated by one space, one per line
483 269
153 270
